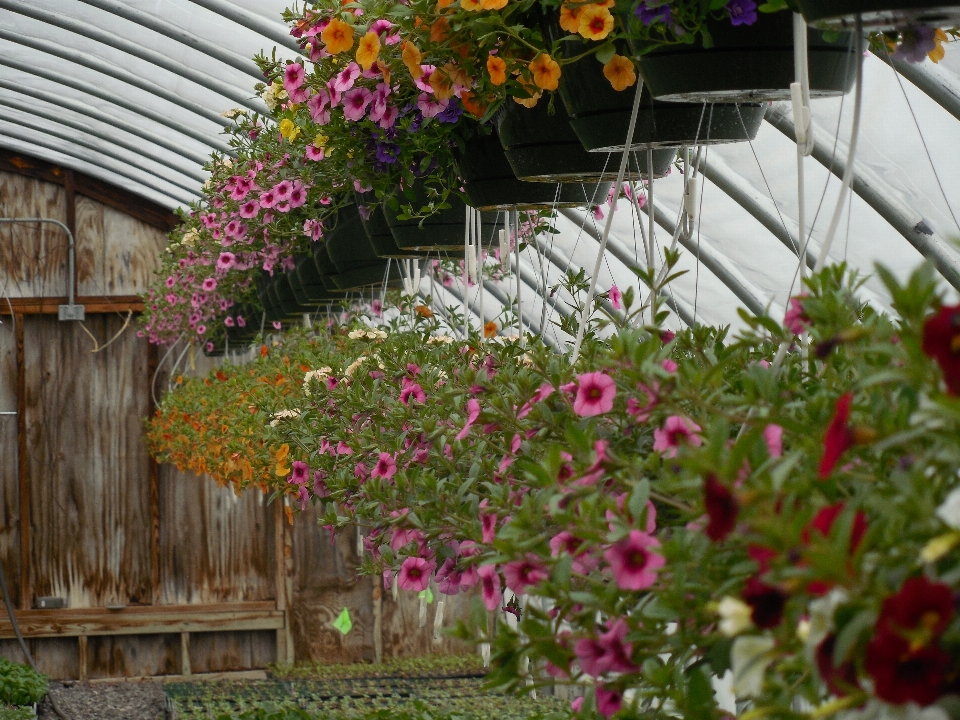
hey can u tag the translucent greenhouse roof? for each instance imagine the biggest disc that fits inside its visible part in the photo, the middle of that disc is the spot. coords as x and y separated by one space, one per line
132 91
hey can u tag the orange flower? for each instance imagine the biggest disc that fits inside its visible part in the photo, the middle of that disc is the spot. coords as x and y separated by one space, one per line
529 102
546 72
439 30
412 58
490 329
441 4
423 311
596 22
470 104
471 5
619 71
337 37
368 50
457 75
493 4
570 17
497 69
938 53
442 84
385 69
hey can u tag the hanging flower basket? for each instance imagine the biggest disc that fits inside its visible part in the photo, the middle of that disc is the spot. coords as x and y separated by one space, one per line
377 229
600 115
325 266
353 256
541 145
748 63
440 231
880 14
310 281
490 183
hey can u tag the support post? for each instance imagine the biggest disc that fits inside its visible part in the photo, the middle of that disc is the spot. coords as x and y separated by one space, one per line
23 466
284 582
82 651
70 198
153 475
185 668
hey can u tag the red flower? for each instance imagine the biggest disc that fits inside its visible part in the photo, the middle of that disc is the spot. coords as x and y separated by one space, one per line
920 612
722 508
941 341
766 601
839 437
903 674
840 680
823 523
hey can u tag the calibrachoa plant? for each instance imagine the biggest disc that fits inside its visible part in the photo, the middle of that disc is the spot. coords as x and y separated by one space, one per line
672 508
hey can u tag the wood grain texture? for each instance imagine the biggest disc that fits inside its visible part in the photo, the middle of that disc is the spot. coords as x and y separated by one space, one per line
56 657
23 468
231 651
128 656
9 454
402 636
90 540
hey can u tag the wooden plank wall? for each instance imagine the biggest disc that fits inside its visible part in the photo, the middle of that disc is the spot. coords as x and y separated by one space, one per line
9 479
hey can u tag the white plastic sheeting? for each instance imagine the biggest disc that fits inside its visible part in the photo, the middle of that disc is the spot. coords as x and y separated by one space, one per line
130 91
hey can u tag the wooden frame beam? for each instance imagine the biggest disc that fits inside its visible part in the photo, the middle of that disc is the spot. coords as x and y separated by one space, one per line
23 466
93 304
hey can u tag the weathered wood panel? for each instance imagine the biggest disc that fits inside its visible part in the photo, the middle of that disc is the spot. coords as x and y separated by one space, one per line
215 546
9 482
56 657
117 253
133 656
225 652
87 462
324 583
402 636
33 258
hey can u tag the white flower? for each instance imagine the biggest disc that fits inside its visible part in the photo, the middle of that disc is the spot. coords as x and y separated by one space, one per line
749 658
284 415
352 367
190 237
320 376
820 623
439 340
949 510
735 616
230 114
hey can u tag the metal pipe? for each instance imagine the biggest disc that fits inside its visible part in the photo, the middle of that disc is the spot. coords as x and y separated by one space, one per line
940 85
275 31
877 194
81 108
70 246
87 30
113 99
14 133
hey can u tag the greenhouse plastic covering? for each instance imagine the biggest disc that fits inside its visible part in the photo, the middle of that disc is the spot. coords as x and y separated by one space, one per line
131 92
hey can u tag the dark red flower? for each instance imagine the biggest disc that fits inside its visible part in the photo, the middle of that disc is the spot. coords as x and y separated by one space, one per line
941 341
839 437
763 556
722 508
902 673
919 612
823 523
766 602
840 680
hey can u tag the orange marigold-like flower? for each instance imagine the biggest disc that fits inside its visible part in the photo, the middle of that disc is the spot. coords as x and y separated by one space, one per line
493 4
442 84
570 17
368 50
546 72
471 5
619 71
490 329
337 37
412 57
423 311
497 68
596 22
440 30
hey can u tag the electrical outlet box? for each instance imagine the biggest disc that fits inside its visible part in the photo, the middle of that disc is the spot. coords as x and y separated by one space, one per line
50 603
71 312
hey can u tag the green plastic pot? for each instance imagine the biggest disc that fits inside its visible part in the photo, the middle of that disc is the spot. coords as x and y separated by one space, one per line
357 263
268 299
542 145
311 281
324 266
600 115
748 63
442 231
880 14
378 231
292 307
490 183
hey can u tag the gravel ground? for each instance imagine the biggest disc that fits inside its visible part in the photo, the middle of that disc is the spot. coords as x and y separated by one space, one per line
113 701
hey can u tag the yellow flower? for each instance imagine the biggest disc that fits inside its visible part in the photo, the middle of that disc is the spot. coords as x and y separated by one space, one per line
497 68
546 72
412 57
337 37
368 50
442 84
596 22
321 141
939 546
619 71
289 129
570 17
939 38
493 4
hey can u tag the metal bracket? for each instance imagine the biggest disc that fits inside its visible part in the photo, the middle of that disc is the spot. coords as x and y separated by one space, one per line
71 312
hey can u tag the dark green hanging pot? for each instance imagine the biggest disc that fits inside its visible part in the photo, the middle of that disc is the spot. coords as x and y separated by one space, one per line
748 63
542 145
377 229
353 256
881 14
292 307
268 299
600 115
490 183
442 231
311 281
325 266
250 316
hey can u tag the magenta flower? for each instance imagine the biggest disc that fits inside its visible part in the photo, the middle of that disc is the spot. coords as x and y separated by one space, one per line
268 198
545 391
634 565
413 390
609 701
282 190
675 432
293 77
386 466
795 320
773 436
319 107
448 578
389 118
346 78
642 412
210 284
355 103
488 523
299 472
521 574
298 195
595 393
415 574
615 296
430 106
343 448
490 586
473 412
249 209
670 366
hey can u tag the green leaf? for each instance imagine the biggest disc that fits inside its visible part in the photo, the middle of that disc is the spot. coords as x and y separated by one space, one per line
343 623
605 54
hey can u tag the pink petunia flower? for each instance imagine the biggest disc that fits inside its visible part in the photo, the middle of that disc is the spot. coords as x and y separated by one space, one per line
249 209
773 436
670 366
355 103
595 393
633 563
209 284
430 106
521 574
226 261
415 574
675 432
268 198
299 472
615 296
545 391
642 412
345 79
490 586
414 391
609 701
488 523
795 319
386 466
473 412
319 107
293 77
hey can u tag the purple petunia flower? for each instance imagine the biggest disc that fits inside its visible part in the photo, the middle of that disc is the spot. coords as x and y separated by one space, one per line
742 12
650 14
915 42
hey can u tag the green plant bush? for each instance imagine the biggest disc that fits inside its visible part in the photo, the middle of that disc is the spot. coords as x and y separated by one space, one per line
16 713
19 685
